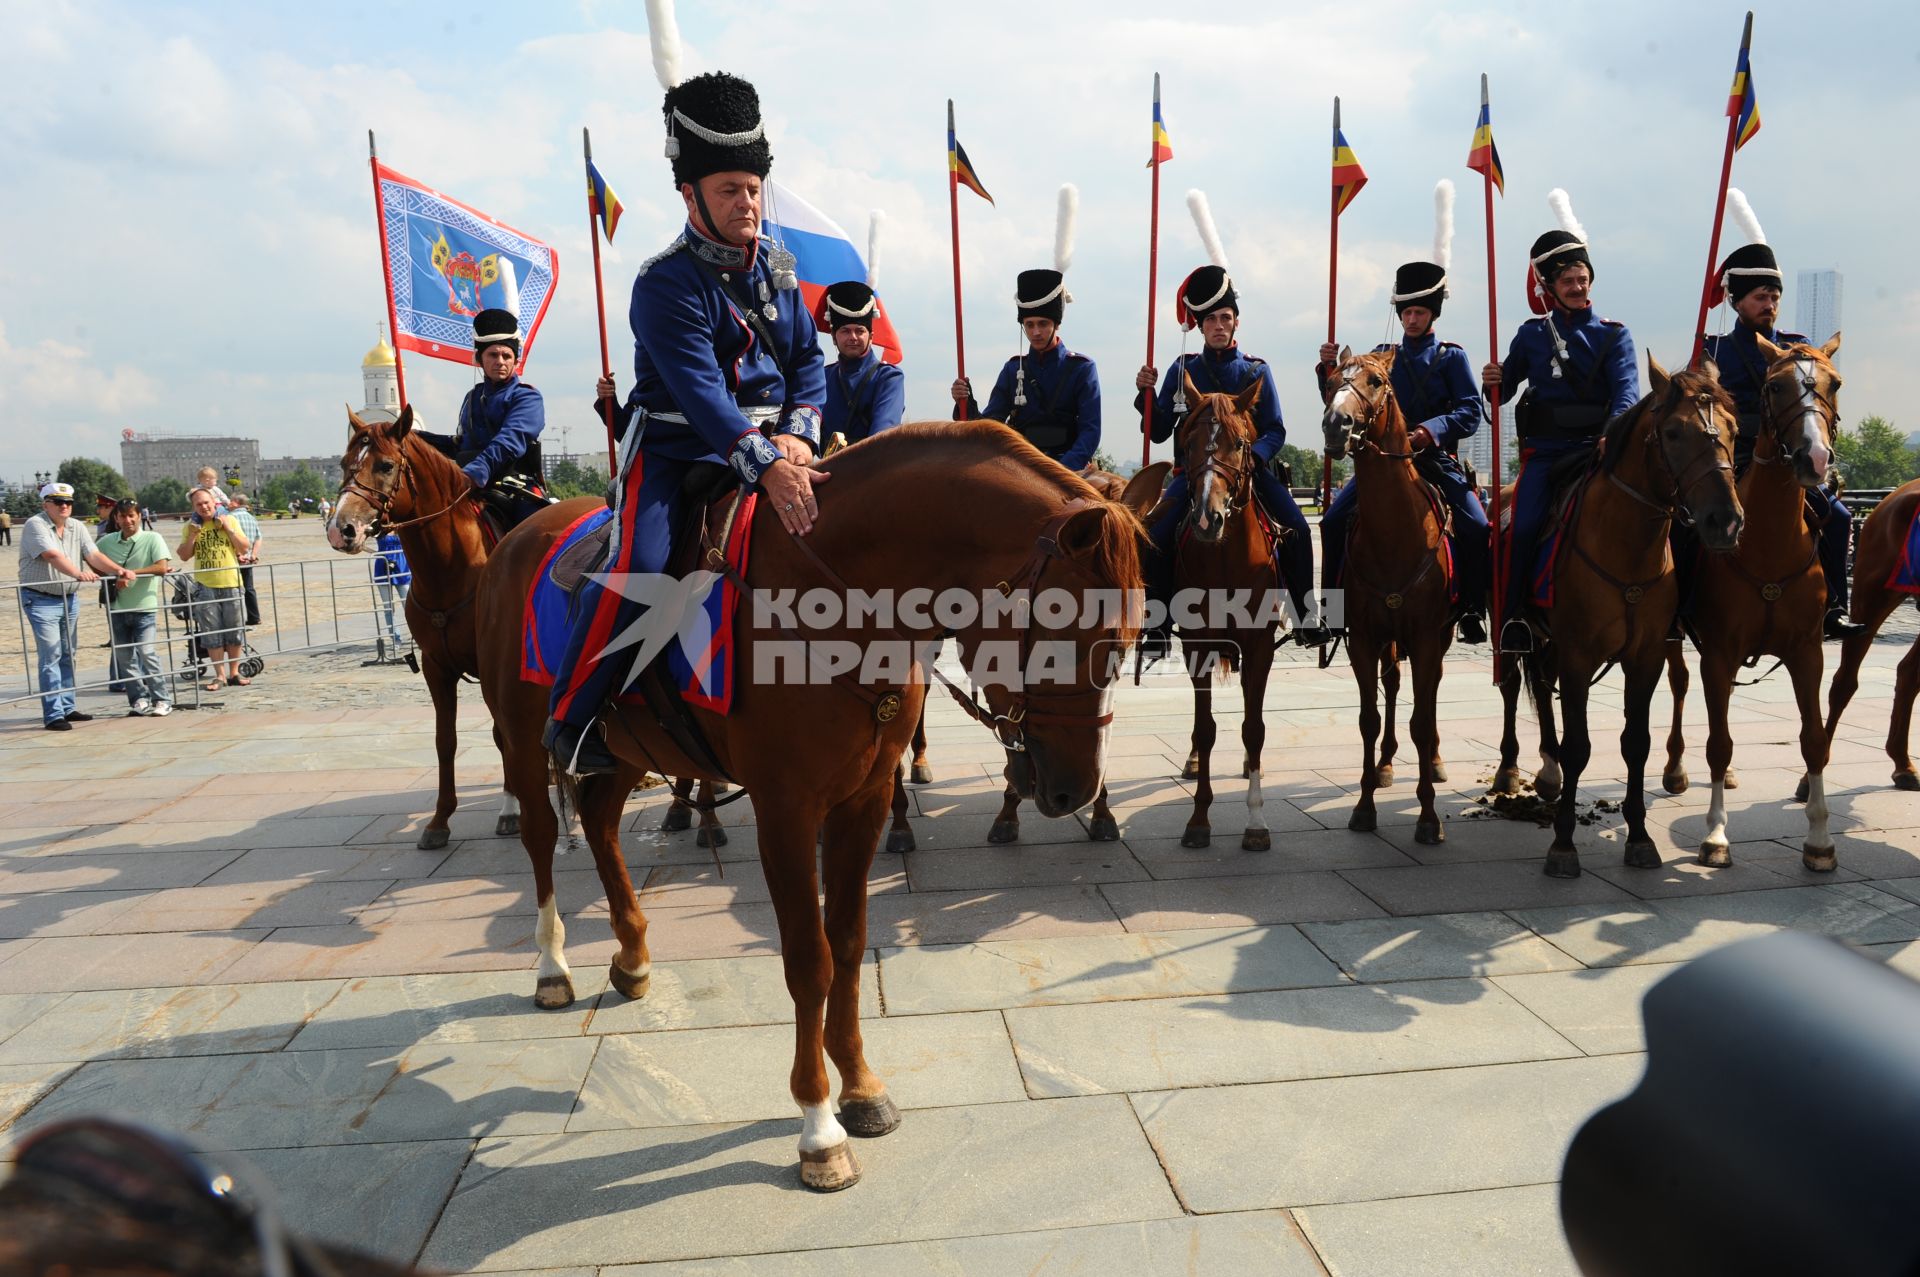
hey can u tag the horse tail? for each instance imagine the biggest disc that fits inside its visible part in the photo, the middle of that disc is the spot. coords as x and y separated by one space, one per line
566 792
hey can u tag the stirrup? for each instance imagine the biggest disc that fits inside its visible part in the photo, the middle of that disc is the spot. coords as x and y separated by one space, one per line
587 753
1516 637
1472 629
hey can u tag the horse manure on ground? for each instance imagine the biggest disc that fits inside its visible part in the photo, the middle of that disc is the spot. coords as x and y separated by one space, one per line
1528 805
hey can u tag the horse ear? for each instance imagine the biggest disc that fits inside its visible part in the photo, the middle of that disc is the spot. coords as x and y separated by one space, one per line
354 423
1186 379
1143 490
1832 347
1246 399
1767 348
404 425
1392 353
1346 353
1080 535
1657 375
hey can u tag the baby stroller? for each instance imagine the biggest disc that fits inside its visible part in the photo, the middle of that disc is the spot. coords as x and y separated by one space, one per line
188 595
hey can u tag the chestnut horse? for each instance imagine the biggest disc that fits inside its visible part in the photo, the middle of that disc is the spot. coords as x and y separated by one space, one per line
965 506
1222 552
1668 456
1767 595
1397 595
1876 557
395 481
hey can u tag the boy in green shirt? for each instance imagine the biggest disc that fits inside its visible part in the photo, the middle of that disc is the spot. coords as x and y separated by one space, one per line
133 608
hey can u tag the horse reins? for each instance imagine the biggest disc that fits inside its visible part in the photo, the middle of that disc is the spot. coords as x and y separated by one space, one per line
1358 440
382 503
1239 479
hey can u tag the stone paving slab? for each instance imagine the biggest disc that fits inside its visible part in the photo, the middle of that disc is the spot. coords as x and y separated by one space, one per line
1017 913
24 1085
1263 1242
1597 1010
1050 865
1017 973
1274 1036
1503 1230
1299 852
381 1199
132 1024
715 994
63 913
230 906
279 864
1675 930
401 1011
1480 885
1222 902
1435 946
123 962
740 1075
76 871
689 1192
1355 1139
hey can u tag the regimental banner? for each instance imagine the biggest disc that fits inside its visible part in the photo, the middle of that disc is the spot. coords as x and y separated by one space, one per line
449 261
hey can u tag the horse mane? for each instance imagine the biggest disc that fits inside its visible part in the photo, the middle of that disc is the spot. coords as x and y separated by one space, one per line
1681 384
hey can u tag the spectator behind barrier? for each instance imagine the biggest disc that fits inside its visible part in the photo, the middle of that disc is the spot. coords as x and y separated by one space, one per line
215 543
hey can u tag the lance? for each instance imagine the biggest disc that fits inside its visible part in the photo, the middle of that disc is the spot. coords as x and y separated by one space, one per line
1493 397
386 270
953 211
1333 304
599 299
1719 208
1153 275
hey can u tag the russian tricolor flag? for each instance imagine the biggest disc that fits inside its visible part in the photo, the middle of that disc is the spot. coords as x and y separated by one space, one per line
824 255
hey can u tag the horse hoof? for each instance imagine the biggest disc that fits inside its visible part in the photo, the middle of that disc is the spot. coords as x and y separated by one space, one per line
432 839
1362 821
508 826
1429 833
1439 771
710 836
921 774
626 984
1004 831
1715 855
1563 862
1191 771
1257 840
1674 782
1641 854
1506 781
1732 780
553 993
1800 791
676 819
1103 829
900 841
1906 779
1547 790
1383 777
1820 860
869 1119
1197 836
830 1169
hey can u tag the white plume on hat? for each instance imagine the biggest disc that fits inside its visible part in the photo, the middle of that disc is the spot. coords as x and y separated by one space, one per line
664 33
1743 215
1063 227
1562 205
1203 222
1443 224
874 219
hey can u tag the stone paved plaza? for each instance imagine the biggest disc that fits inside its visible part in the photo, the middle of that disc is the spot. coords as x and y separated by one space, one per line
1352 1055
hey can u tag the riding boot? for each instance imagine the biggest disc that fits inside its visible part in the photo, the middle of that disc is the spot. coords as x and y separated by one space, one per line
1156 567
1839 626
1473 629
579 750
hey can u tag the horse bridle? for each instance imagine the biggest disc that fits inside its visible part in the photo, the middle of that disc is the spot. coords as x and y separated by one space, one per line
1809 385
1239 479
382 502
1358 440
1680 483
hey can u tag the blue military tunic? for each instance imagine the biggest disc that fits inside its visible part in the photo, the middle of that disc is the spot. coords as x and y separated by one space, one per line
864 397
1062 414
499 422
1434 386
706 388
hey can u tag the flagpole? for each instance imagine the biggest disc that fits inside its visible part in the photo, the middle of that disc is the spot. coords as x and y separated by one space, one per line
386 271
1719 212
1499 476
1153 277
953 211
1333 301
599 298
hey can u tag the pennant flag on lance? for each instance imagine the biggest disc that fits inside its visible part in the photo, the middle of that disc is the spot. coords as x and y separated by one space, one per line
448 261
1348 176
962 167
602 202
1162 144
823 255
1484 156
1742 106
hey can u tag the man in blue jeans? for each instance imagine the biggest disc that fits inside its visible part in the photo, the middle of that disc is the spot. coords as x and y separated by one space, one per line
57 556
132 610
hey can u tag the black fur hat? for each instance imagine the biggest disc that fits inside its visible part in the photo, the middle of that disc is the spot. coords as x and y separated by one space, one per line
1206 290
848 302
1420 284
1042 294
495 328
1748 267
713 126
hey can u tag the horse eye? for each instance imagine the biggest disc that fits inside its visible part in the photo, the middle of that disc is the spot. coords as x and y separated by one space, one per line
1374 382
383 467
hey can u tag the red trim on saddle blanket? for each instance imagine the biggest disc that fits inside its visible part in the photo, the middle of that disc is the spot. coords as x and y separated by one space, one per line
714 670
1905 577
532 668
1548 565
487 535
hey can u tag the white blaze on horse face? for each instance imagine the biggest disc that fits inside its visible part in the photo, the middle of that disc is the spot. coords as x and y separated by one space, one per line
551 936
1813 441
819 1128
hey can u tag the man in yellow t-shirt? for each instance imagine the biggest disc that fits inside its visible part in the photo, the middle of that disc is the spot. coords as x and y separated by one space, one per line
215 543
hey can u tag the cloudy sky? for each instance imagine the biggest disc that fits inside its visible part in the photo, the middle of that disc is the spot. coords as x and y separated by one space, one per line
191 243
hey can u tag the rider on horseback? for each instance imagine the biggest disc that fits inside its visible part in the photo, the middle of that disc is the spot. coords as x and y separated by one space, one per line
1582 372
1207 301
865 394
497 443
725 355
1750 281
1048 394
1433 384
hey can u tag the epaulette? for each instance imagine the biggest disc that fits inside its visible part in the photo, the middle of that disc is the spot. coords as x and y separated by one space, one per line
1383 348
1074 354
1793 339
679 242
1454 345
1613 323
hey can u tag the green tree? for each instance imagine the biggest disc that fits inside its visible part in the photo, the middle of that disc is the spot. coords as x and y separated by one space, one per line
303 485
1873 455
164 496
23 502
567 478
1306 466
91 479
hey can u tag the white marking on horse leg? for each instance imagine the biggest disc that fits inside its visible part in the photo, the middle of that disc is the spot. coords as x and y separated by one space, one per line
551 936
1549 772
509 805
819 1128
640 972
1256 801
1818 839
1717 813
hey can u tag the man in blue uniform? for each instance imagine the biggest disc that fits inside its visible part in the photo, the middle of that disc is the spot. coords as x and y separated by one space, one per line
1580 372
497 441
728 369
1433 384
1751 280
1048 394
1208 301
865 394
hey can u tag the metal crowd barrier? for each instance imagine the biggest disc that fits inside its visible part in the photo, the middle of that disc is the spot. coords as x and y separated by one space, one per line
306 606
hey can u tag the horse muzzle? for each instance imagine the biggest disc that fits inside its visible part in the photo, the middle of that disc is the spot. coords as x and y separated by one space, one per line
1719 527
1338 428
348 537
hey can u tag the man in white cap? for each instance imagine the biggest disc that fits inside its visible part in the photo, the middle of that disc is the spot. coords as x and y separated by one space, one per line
57 556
